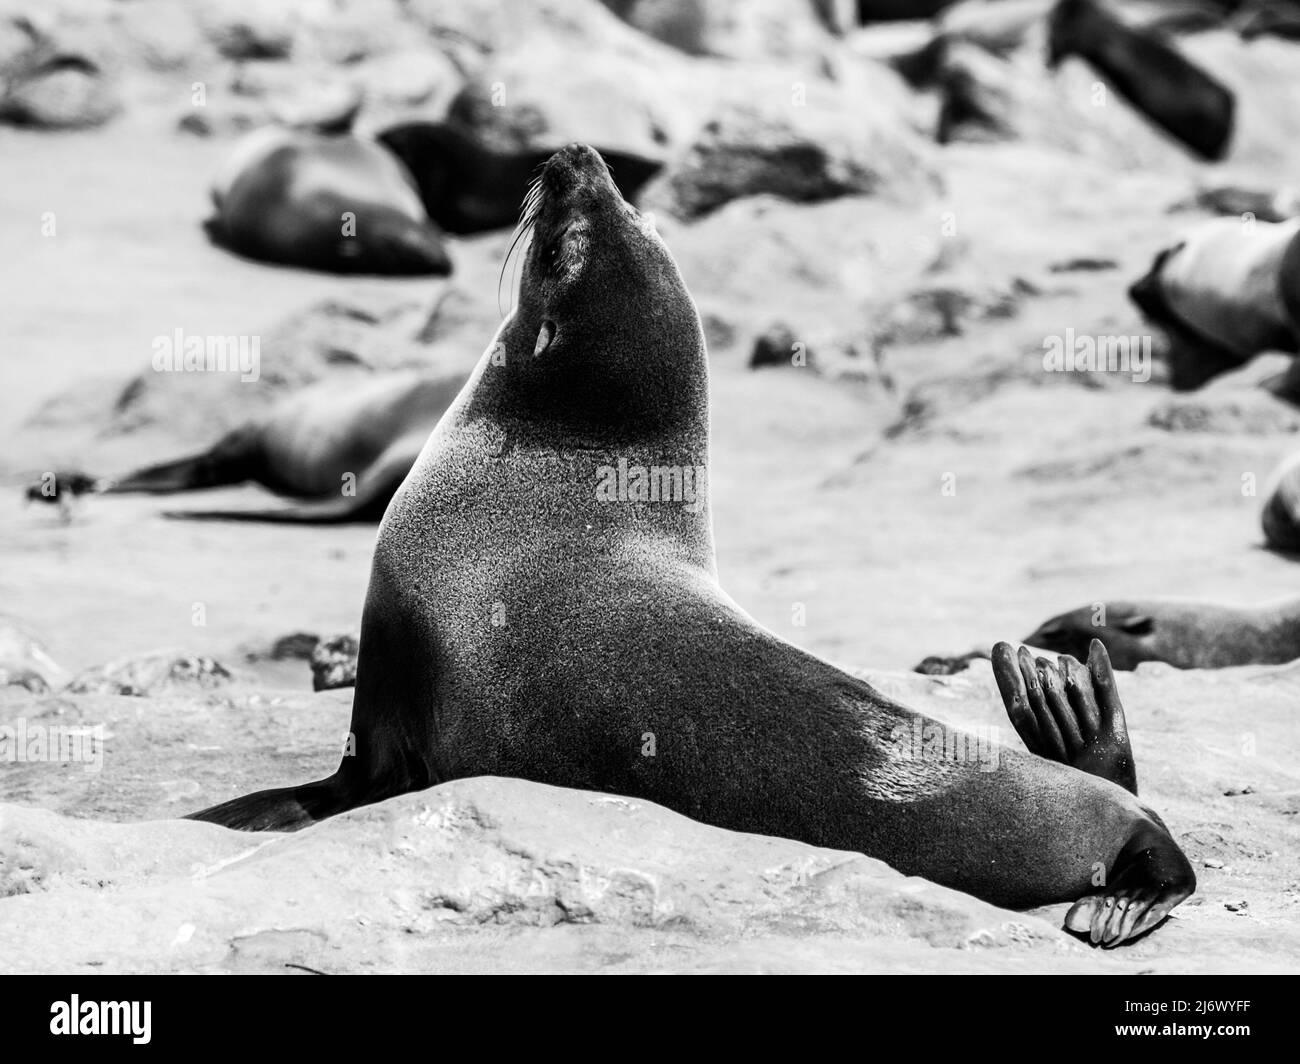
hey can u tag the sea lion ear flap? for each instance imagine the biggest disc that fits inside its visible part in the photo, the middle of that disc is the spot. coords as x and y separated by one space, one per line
1138 624
544 337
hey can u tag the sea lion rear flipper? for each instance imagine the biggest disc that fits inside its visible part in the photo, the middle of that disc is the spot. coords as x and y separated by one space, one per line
184 474
281 809
375 488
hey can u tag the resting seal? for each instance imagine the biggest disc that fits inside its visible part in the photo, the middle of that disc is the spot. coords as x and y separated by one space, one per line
1185 634
467 187
1280 517
1224 293
335 203
537 609
1177 95
307 445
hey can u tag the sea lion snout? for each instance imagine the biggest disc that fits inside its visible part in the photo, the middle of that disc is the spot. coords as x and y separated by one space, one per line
578 173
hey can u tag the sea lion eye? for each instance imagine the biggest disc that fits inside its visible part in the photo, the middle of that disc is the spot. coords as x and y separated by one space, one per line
544 337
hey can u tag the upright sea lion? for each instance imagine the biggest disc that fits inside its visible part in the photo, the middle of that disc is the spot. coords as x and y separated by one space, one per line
544 604
342 447
1227 291
1182 633
1171 90
336 203
468 187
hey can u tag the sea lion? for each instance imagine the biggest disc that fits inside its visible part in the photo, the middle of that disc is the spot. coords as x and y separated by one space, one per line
468 187
342 447
1280 517
537 609
334 203
1176 94
1268 18
1183 633
1227 291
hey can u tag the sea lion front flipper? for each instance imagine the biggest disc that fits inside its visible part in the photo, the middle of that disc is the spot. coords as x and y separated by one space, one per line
1068 713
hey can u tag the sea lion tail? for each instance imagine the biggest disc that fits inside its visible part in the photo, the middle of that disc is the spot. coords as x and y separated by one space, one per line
281 809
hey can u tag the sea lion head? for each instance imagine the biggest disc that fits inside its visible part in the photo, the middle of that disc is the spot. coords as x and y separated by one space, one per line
1064 22
605 340
1125 631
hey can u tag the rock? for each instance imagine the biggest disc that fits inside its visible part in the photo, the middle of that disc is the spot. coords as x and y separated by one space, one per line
54 78
1265 205
27 679
935 310
937 665
249 29
990 99
1082 264
482 874
777 346
803 141
344 32
998 27
334 662
414 83
1211 862
151 674
323 103
24 660
296 646
162 36
826 355
719 331
979 97
483 27
538 97
1246 411
734 29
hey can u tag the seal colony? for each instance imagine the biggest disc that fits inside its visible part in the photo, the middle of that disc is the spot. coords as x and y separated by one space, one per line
516 624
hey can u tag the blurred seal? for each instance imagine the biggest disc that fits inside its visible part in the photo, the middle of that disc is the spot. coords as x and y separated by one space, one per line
1229 290
468 187
334 203
1176 94
1181 633
341 447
